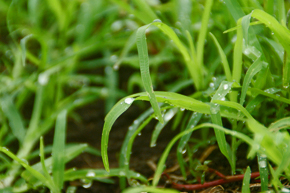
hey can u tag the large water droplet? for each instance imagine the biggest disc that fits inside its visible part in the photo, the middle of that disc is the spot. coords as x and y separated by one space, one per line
129 100
226 86
91 174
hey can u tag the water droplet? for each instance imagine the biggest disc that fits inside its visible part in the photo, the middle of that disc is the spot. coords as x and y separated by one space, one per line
116 67
153 145
184 151
138 175
157 20
87 185
213 79
226 86
168 115
130 128
139 134
43 79
122 173
262 163
117 25
182 109
136 122
272 33
211 85
91 174
129 100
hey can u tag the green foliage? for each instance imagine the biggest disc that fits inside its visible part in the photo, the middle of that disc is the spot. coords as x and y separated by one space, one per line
222 65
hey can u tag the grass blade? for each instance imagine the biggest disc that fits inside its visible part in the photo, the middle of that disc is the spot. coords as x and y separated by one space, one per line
15 120
264 174
149 189
220 94
223 58
246 181
254 69
144 68
158 128
58 150
194 119
203 31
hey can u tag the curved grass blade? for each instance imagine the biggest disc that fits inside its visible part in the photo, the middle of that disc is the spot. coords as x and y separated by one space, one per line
246 181
174 99
119 108
58 150
280 124
280 31
254 69
124 159
223 58
162 160
96 174
149 189
270 95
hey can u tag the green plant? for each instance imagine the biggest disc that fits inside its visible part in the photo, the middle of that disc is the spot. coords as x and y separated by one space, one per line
247 96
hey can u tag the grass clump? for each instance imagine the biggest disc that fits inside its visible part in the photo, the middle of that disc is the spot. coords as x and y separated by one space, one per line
226 68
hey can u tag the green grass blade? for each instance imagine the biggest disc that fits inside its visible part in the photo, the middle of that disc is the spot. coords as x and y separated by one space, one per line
203 31
149 189
96 174
158 128
32 171
13 115
235 9
23 48
144 68
71 151
238 51
224 147
58 150
280 31
254 69
42 161
264 174
270 95
223 58
111 117
280 124
246 181
194 119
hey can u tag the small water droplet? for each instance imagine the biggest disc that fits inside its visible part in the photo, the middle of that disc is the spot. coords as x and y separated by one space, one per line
168 115
138 175
136 122
153 145
139 134
182 109
129 100
130 128
213 79
87 185
184 151
157 20
122 173
211 85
